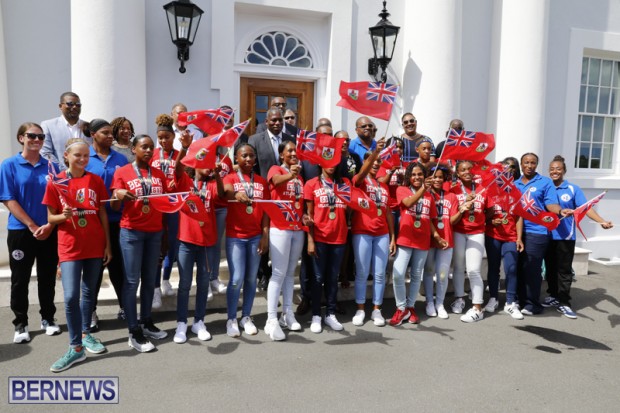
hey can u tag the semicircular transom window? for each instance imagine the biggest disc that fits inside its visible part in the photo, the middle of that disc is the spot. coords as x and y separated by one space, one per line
278 49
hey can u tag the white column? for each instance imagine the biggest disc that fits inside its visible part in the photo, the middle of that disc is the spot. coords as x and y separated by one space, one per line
6 149
521 78
431 78
108 59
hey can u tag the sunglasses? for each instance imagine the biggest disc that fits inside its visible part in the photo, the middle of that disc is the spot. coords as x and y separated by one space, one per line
289 117
408 121
366 126
72 104
32 136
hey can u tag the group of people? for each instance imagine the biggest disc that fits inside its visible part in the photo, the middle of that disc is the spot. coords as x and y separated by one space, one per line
94 210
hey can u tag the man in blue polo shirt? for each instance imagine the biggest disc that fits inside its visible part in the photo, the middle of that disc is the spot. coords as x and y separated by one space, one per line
364 142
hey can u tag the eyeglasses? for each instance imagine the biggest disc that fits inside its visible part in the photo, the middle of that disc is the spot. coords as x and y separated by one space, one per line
289 117
32 136
366 126
72 104
283 104
408 121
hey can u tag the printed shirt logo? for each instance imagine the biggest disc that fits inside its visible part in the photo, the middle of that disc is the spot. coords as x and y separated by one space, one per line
17 255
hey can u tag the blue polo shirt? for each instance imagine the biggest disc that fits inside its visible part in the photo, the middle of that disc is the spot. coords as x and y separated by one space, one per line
25 183
105 168
544 193
357 147
571 196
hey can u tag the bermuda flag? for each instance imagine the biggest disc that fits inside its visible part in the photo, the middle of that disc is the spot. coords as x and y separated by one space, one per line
368 98
526 207
229 137
169 203
211 121
486 171
473 146
389 156
194 208
356 199
319 149
580 213
283 214
61 184
202 153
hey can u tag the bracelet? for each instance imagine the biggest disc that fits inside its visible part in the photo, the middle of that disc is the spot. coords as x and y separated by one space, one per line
185 148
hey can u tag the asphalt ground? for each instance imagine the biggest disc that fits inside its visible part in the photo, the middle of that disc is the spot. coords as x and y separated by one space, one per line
543 363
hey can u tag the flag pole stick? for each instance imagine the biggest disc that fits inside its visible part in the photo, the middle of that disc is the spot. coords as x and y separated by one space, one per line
264 201
150 196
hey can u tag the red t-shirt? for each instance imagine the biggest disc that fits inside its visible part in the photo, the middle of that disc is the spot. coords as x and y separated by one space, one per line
227 168
240 224
508 230
87 238
287 192
408 235
449 208
362 223
166 162
135 215
465 224
326 230
203 233
396 180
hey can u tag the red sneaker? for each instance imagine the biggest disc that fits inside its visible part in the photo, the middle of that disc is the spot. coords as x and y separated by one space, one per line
413 319
400 316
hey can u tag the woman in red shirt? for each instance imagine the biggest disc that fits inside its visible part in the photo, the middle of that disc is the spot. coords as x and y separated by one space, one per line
83 246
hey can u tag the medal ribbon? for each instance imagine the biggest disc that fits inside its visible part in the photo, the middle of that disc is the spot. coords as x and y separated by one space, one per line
147 184
249 189
418 207
329 190
473 191
163 162
377 189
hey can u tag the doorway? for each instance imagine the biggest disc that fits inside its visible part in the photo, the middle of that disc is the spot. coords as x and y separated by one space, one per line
256 94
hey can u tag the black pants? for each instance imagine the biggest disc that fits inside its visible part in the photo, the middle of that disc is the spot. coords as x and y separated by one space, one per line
24 249
116 270
306 272
558 264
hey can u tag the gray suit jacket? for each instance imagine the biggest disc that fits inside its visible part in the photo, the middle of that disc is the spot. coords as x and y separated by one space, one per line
56 136
264 152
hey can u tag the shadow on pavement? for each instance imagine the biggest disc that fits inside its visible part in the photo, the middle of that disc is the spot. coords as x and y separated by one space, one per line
14 351
562 337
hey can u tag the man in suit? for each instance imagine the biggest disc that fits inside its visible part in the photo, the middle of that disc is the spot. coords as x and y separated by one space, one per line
58 130
280 103
266 143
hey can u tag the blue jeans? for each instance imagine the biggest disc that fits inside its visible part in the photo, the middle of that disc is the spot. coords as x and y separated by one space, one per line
214 265
243 261
82 273
140 255
529 273
190 254
437 264
371 257
326 270
172 223
496 252
406 257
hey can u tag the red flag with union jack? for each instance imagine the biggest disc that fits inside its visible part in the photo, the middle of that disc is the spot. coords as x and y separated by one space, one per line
473 146
210 121
194 208
580 212
169 203
485 170
390 156
319 149
202 153
61 185
368 98
355 198
526 207
283 214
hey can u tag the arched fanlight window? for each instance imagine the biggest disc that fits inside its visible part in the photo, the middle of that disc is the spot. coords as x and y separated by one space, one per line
278 49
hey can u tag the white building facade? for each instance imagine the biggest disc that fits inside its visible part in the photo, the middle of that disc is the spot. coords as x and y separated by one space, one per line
542 75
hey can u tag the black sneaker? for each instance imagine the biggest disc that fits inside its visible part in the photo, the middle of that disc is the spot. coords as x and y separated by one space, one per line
139 342
150 330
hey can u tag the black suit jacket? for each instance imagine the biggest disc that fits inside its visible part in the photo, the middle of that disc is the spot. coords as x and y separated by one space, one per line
288 129
264 152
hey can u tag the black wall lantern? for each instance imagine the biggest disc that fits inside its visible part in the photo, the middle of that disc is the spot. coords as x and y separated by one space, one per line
183 20
383 36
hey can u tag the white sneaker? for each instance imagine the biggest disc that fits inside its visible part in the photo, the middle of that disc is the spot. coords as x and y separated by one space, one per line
315 326
377 318
21 335
273 330
156 299
180 336
248 326
491 305
287 320
472 315
166 288
210 294
232 328
138 341
458 305
441 312
513 310
50 327
218 286
430 309
333 322
358 318
200 330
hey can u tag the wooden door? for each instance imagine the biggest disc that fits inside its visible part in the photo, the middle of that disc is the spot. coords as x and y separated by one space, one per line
256 95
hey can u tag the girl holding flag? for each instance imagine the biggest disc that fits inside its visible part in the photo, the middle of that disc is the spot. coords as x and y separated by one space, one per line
285 242
373 239
83 246
561 249
393 178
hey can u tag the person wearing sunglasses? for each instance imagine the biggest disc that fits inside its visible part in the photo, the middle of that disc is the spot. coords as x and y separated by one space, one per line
58 130
364 142
279 102
411 139
23 178
289 117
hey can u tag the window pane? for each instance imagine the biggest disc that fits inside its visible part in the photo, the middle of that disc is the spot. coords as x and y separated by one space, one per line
269 45
279 62
584 156
607 156
592 99
603 100
599 122
606 72
594 73
609 130
614 107
584 70
291 103
260 117
586 128
582 99
616 73
262 102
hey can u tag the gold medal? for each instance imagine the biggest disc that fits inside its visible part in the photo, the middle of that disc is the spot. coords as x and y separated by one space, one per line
146 209
505 221
440 225
249 209
471 218
417 224
82 222
332 215
202 224
297 205
379 212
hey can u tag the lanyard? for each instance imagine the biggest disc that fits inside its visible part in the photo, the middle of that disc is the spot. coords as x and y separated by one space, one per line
439 204
296 184
329 190
200 191
163 162
473 191
81 213
249 189
377 189
418 209
147 184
